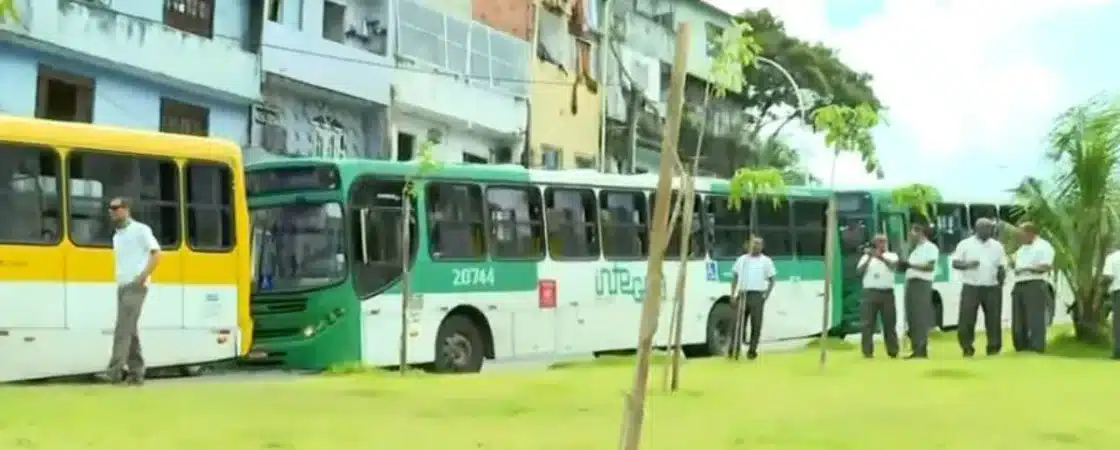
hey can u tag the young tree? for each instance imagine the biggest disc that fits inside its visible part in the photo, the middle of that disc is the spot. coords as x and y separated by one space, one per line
634 409
737 52
1078 210
425 165
845 129
917 197
749 184
8 11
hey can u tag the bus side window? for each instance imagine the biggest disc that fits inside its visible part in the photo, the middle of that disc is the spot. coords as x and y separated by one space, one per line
950 225
378 263
209 206
978 211
729 228
624 219
695 241
30 194
456 220
572 223
774 227
152 183
809 227
516 222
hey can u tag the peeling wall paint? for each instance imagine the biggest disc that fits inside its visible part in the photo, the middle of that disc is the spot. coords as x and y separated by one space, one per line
287 124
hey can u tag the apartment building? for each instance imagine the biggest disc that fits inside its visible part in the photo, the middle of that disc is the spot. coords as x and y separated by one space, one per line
187 66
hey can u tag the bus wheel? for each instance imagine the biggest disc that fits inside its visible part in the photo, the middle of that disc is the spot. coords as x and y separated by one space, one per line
939 317
459 347
191 371
720 323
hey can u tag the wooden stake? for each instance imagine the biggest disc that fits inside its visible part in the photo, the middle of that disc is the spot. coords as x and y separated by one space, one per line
634 410
682 282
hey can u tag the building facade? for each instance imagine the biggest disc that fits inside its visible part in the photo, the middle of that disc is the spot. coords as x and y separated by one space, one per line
327 75
187 66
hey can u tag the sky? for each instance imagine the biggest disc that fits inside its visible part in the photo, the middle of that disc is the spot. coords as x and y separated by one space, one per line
971 87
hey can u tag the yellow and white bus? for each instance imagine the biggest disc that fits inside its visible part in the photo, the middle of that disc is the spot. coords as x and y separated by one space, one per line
57 293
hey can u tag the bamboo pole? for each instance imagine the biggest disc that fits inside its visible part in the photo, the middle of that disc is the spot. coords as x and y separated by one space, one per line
634 410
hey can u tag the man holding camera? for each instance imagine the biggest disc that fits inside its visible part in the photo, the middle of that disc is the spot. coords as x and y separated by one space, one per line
877 267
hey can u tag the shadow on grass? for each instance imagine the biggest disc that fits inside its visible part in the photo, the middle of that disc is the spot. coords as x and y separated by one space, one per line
358 368
608 361
831 344
1065 344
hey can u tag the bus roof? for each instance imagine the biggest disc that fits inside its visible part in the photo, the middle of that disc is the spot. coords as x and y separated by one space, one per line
514 173
102 137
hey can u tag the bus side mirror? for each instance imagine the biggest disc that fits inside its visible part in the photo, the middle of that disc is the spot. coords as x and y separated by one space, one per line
363 224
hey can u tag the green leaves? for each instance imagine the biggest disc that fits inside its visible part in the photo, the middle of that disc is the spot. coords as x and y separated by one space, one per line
749 183
8 11
916 196
848 129
427 164
1078 209
738 49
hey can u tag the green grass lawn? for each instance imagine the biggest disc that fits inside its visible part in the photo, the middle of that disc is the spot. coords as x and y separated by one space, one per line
780 401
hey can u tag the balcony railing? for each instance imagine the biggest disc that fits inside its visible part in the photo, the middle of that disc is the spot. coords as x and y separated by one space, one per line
485 56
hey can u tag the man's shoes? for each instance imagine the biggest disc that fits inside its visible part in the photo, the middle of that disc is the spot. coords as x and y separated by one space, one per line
752 355
134 381
993 352
917 356
968 352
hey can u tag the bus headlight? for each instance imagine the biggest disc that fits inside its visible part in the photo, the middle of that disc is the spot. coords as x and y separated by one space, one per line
308 331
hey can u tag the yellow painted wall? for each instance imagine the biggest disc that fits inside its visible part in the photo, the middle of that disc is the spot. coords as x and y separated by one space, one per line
552 121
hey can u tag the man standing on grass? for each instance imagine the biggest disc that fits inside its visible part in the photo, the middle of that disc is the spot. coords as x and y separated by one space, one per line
135 256
877 266
752 280
1110 276
981 261
919 290
1030 298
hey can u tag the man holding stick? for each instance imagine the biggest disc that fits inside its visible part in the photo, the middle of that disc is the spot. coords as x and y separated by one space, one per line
752 280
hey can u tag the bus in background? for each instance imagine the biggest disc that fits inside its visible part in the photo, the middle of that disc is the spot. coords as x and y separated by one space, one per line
506 263
864 213
59 301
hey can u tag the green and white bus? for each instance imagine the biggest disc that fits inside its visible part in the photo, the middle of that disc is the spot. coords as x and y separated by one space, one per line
506 263
510 263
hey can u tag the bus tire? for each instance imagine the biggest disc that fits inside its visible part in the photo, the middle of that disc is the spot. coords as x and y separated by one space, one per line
939 315
459 346
720 322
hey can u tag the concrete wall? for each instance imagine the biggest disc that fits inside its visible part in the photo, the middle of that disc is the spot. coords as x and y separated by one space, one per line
119 99
129 35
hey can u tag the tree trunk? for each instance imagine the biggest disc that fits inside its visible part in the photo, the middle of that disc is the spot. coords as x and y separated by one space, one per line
671 378
1089 319
634 411
406 279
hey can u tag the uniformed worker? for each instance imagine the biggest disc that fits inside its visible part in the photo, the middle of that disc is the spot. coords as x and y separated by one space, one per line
1030 298
982 262
877 304
918 297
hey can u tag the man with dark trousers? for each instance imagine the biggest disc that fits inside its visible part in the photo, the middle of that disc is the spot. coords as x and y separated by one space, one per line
1030 298
877 267
752 280
1110 277
981 261
919 290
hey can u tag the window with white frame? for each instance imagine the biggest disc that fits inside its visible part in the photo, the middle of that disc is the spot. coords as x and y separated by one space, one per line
486 56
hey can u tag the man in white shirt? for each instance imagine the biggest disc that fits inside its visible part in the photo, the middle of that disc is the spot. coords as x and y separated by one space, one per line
135 256
919 290
981 261
1110 275
752 280
1030 298
877 267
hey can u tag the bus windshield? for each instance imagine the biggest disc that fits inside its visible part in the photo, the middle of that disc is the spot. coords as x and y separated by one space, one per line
298 246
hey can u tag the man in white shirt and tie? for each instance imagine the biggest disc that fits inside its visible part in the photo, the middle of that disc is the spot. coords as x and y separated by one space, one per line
752 280
919 290
1110 275
877 266
981 261
1030 298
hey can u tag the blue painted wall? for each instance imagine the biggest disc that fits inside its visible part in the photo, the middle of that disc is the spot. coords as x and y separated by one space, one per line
119 99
